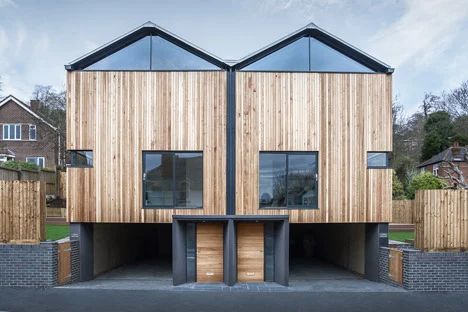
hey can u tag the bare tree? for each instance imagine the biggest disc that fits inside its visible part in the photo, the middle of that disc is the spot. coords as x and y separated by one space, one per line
454 174
430 103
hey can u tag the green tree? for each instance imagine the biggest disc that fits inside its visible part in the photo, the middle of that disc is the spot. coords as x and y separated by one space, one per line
424 181
438 132
397 187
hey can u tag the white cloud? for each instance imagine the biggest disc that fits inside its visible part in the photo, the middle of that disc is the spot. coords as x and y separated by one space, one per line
4 3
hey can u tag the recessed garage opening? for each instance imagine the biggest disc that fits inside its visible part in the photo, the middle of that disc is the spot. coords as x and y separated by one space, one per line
133 252
326 252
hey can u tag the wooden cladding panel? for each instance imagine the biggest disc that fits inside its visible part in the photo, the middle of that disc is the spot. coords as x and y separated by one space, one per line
210 252
342 116
119 115
250 252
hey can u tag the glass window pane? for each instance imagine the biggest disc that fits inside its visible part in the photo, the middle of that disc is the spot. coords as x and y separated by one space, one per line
5 132
18 132
378 160
293 57
12 132
40 162
168 56
158 182
272 182
189 179
81 158
136 56
302 185
32 132
325 58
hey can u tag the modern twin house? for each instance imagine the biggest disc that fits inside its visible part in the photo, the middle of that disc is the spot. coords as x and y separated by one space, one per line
259 164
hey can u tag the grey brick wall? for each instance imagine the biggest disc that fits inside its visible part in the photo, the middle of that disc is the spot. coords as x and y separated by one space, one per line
429 271
28 265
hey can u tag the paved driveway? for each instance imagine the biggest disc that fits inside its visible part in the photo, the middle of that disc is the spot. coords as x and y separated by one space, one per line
61 299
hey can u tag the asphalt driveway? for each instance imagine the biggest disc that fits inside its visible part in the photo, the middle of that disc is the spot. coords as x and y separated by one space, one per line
63 299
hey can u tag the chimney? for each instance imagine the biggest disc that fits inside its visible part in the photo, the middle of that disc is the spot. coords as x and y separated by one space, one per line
34 104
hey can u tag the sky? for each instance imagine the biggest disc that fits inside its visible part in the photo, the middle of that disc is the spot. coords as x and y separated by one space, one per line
426 41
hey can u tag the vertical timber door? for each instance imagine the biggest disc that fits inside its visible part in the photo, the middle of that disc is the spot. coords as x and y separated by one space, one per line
210 253
250 252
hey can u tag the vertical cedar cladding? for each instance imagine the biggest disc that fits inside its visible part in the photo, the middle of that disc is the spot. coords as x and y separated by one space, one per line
119 115
341 116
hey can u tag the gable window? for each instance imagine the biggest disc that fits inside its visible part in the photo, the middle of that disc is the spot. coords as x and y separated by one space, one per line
12 132
288 180
32 132
37 160
152 53
81 159
378 160
173 179
307 54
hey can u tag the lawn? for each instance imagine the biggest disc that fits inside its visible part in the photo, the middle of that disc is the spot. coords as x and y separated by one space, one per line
401 236
55 232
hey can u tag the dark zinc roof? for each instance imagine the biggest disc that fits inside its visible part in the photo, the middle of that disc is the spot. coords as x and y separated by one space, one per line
451 154
311 30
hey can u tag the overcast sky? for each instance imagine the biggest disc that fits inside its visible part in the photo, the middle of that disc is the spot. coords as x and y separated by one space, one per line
426 41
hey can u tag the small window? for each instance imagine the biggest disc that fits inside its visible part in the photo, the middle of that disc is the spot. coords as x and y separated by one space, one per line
38 161
81 159
288 180
12 132
173 179
32 132
378 160
435 170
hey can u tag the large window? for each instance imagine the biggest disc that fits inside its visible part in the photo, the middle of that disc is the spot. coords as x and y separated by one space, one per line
37 160
81 159
173 179
288 180
152 53
12 132
378 160
307 54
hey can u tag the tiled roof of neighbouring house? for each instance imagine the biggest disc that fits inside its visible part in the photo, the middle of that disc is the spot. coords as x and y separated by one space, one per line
451 154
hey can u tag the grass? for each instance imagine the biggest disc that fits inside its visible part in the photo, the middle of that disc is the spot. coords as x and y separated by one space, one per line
401 236
55 232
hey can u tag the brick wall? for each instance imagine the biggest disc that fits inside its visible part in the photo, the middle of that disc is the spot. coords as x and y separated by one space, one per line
28 265
429 271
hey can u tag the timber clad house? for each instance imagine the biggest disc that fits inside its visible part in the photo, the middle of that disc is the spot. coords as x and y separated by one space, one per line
25 135
229 171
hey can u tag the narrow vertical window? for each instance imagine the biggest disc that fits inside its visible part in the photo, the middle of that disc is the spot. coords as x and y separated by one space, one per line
18 132
6 132
32 132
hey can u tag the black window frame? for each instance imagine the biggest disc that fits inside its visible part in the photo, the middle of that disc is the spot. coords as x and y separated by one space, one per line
388 160
173 183
71 154
287 206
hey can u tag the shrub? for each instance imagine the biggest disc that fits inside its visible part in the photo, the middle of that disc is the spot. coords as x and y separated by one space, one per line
397 187
424 181
19 165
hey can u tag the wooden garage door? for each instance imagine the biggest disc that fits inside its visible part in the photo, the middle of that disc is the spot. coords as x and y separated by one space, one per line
210 253
250 252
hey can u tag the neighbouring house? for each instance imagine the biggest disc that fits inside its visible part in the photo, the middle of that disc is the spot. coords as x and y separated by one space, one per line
25 135
269 168
443 165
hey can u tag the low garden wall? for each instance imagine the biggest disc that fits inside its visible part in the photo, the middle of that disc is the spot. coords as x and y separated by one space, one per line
35 265
427 271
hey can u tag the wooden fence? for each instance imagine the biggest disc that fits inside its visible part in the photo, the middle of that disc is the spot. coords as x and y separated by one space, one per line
51 178
22 211
441 218
403 211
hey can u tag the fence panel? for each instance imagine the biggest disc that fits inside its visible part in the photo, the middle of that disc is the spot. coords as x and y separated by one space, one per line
22 211
441 218
9 174
402 211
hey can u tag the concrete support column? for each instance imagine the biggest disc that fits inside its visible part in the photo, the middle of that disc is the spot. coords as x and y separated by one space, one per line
83 232
179 249
230 253
376 237
282 253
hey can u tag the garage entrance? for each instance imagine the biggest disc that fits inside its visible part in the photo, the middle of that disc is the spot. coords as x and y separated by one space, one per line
132 252
326 251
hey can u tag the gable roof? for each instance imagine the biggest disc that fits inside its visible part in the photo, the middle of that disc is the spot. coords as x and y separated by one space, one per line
148 28
448 155
26 108
325 37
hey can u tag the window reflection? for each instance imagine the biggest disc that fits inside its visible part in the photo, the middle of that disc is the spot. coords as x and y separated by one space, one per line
272 180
